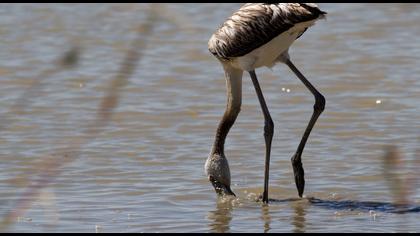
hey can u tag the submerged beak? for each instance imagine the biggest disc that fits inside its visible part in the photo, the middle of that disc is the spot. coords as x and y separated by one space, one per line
221 189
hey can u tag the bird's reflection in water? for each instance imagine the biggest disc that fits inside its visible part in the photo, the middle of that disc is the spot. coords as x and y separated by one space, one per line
365 205
298 205
265 216
298 219
221 217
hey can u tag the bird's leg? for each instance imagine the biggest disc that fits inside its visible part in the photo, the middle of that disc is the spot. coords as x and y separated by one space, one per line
318 108
268 132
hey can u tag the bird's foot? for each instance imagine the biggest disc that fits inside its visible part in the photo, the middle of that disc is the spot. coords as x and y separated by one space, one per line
298 173
263 198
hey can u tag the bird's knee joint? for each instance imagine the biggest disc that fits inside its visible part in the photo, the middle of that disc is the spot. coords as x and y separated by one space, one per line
296 161
319 103
269 128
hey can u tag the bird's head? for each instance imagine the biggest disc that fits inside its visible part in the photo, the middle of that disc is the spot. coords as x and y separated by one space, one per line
217 171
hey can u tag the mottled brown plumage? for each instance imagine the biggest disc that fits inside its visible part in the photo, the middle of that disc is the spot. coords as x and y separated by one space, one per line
255 24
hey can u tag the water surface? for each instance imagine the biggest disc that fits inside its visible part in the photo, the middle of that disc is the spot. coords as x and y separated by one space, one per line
145 172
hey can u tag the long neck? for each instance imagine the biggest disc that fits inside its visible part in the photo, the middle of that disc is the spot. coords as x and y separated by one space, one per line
234 98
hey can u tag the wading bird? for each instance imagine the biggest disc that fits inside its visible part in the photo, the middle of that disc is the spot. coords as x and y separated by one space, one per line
257 35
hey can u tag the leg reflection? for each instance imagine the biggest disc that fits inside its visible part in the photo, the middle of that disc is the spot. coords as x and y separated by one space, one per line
265 210
220 218
298 220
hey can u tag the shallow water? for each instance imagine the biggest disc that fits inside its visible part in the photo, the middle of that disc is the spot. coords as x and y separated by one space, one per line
145 173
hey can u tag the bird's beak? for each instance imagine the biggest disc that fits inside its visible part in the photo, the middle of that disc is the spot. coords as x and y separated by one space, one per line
220 188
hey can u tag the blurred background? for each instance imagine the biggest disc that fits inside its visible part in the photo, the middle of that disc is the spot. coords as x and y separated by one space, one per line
108 113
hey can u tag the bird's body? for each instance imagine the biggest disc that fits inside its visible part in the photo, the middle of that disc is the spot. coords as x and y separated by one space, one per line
257 35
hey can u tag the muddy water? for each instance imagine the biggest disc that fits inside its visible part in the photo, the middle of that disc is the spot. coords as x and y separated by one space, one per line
144 172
